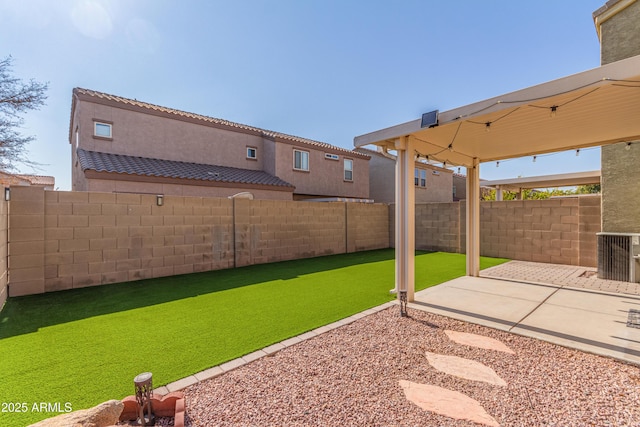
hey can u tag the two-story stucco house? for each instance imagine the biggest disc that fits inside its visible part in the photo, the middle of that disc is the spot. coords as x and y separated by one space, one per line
125 145
433 183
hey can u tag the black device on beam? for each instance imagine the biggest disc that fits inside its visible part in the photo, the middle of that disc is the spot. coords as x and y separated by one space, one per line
429 119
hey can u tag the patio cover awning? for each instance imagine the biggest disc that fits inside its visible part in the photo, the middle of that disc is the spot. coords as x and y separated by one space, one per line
596 107
592 108
545 181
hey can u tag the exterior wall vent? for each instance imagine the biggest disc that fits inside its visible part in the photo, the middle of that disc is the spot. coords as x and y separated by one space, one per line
619 256
331 156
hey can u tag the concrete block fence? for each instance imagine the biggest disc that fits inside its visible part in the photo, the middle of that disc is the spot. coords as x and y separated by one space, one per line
62 240
56 240
558 231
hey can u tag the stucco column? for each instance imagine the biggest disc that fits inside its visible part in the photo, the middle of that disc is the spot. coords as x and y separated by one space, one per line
405 217
473 219
498 193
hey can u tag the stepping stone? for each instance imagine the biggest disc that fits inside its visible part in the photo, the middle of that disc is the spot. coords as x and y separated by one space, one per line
478 341
465 368
445 402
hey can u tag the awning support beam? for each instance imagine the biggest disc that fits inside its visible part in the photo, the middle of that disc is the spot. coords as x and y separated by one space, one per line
405 218
473 219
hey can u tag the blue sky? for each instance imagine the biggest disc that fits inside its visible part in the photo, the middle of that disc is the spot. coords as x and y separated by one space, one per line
327 70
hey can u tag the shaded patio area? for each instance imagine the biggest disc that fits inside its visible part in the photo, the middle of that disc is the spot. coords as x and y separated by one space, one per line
564 305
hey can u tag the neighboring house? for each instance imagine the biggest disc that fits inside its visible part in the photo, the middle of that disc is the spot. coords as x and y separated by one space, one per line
433 183
125 145
8 179
459 187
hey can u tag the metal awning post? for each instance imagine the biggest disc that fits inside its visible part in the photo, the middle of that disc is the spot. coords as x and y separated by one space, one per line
473 219
405 221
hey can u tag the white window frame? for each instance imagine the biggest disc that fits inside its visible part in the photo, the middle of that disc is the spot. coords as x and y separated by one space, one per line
348 170
303 155
255 153
97 123
420 178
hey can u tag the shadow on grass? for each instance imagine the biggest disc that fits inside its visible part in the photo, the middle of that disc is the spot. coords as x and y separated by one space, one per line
22 315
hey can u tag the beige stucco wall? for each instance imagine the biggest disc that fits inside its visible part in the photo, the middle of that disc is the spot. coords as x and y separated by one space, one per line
460 182
619 34
325 177
138 133
64 240
382 181
620 39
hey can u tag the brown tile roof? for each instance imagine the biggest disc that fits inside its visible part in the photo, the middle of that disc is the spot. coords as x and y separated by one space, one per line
7 178
221 122
144 166
39 179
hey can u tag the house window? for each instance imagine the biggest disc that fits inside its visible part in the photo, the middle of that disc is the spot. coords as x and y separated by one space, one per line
301 160
420 177
348 170
102 130
252 153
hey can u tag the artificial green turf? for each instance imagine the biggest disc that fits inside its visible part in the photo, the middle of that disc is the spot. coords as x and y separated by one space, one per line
85 346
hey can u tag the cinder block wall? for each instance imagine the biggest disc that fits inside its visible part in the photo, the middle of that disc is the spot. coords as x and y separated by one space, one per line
64 240
4 241
367 226
559 231
438 227
271 231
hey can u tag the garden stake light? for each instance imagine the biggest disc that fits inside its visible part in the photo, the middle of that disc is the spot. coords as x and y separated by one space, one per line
144 391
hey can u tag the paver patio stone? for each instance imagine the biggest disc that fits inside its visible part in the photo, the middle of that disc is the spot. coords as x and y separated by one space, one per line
479 341
464 368
447 402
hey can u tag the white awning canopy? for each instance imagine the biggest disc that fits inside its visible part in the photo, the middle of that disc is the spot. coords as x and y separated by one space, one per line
592 108
596 107
546 181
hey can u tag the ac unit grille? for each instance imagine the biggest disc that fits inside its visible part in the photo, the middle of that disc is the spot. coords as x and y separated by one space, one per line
614 255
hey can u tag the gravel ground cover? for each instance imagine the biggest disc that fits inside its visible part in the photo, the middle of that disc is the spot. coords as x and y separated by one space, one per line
350 377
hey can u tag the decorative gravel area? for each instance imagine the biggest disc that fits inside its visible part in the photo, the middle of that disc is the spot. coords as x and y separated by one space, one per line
350 377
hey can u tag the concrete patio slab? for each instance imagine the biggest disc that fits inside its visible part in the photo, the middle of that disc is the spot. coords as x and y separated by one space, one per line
588 320
490 302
